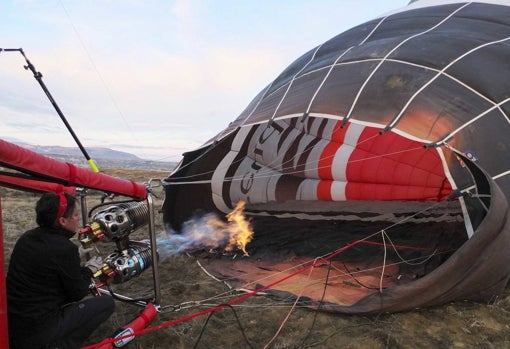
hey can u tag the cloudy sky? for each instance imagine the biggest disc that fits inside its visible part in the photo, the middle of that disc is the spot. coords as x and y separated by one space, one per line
154 78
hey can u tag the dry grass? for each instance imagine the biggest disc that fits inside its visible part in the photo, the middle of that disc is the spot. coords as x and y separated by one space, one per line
456 325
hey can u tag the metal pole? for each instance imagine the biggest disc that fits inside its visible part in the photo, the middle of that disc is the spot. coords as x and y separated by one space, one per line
84 213
38 77
154 250
84 208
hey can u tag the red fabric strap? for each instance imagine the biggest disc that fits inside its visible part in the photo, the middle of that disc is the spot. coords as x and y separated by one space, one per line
62 205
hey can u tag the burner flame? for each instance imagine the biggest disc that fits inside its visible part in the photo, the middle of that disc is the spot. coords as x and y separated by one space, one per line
243 234
209 232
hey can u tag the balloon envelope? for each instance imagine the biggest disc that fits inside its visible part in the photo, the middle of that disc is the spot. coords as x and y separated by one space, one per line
375 168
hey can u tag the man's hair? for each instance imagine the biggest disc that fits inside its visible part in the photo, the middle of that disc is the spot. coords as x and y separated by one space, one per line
46 208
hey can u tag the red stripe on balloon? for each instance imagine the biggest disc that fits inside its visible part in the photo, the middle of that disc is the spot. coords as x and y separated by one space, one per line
328 154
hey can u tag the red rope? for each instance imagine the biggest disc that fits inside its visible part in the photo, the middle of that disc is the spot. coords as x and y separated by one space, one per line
404 247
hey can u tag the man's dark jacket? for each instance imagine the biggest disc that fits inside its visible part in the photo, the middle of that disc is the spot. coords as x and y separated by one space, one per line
44 274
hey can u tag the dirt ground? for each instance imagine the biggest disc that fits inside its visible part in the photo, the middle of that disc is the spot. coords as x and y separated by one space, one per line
254 322
189 298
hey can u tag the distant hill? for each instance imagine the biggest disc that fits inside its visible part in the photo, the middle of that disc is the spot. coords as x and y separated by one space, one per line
94 152
103 157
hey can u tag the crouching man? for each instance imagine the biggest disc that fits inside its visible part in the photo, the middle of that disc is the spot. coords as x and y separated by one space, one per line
46 283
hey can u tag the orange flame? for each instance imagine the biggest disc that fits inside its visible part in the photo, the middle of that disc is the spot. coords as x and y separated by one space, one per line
241 232
213 232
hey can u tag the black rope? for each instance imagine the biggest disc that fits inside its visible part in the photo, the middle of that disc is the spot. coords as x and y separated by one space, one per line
357 281
316 311
238 322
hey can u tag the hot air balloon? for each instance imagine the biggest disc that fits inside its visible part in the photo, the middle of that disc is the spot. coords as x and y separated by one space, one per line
375 168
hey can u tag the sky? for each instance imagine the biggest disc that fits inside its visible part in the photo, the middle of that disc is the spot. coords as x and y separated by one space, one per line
154 78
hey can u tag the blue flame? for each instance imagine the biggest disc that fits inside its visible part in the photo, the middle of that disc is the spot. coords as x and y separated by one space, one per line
204 232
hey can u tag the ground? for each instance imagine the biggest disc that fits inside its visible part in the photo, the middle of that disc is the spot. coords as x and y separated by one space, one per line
188 296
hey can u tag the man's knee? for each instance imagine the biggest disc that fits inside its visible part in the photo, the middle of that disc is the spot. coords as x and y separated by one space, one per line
80 319
94 310
104 305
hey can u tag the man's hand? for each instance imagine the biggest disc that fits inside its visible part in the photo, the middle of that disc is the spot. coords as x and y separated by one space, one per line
84 251
94 264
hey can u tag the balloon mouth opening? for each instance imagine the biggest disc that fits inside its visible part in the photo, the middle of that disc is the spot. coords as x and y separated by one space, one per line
338 261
